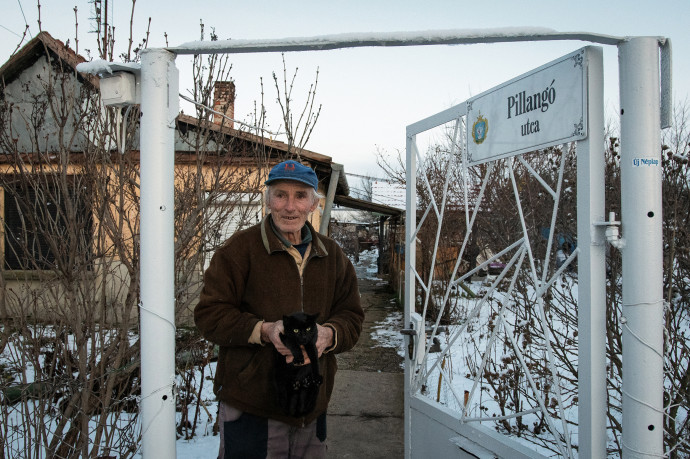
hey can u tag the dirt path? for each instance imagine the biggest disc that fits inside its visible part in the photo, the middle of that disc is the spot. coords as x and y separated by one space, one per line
368 354
365 417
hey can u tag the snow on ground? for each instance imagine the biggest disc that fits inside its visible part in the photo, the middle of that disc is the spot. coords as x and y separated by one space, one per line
466 346
367 265
201 447
387 332
205 444
466 341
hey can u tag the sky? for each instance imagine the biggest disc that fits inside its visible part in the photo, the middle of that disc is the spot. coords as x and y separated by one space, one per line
367 95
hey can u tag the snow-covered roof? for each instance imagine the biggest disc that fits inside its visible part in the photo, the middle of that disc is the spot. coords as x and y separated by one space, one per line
101 67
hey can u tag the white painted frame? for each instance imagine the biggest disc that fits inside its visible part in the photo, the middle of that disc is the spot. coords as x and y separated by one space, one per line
592 376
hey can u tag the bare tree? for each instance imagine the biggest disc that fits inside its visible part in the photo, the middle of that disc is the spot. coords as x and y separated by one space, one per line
676 228
297 130
71 268
393 168
69 290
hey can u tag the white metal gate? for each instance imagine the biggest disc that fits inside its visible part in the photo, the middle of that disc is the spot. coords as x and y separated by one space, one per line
511 360
482 361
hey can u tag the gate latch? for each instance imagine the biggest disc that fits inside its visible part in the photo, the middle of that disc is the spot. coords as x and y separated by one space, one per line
411 332
416 336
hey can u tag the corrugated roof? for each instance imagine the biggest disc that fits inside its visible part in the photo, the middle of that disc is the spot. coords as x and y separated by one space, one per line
360 204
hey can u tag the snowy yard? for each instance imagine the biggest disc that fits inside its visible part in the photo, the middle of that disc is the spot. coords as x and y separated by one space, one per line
29 423
493 337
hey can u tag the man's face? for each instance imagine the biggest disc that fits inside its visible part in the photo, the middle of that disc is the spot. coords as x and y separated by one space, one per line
290 203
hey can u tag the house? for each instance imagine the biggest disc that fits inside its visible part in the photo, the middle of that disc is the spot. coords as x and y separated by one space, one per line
69 191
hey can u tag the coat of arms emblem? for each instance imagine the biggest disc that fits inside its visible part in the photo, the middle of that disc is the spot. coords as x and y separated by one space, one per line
479 129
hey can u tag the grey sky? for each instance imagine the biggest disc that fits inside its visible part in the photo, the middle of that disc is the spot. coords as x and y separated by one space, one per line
369 95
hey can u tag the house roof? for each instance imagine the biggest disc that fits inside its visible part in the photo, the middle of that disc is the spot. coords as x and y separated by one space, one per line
360 204
40 45
44 44
321 164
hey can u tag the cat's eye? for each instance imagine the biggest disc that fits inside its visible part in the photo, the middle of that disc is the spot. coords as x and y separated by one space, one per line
308 328
296 330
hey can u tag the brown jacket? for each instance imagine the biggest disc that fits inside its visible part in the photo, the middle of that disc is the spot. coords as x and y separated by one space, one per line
253 277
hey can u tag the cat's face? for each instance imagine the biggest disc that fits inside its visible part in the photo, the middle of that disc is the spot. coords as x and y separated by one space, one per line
300 325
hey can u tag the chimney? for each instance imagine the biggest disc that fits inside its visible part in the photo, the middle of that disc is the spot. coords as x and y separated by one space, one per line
224 102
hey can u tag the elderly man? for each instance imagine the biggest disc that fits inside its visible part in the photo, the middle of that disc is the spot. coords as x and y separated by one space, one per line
275 268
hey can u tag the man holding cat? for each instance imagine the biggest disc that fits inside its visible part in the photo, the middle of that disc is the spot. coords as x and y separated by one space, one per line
275 269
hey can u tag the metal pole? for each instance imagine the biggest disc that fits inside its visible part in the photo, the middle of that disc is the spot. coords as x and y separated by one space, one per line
159 107
336 169
592 269
642 309
410 257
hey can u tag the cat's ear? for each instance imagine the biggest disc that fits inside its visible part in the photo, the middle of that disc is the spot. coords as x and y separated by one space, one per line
286 318
313 316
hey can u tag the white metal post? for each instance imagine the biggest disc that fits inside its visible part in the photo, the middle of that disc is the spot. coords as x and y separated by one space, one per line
592 269
642 316
159 107
410 263
336 170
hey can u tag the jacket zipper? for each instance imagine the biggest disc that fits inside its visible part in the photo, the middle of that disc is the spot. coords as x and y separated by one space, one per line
301 300
301 291
303 420
301 277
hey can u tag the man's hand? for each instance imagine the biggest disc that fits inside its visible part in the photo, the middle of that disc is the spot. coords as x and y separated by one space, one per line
270 333
324 339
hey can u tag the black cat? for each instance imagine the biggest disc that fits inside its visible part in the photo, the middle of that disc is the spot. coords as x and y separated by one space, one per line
297 385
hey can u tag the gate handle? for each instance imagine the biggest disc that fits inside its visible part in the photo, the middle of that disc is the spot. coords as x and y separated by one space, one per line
411 332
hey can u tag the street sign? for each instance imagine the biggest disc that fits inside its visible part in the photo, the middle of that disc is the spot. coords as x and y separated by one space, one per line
541 108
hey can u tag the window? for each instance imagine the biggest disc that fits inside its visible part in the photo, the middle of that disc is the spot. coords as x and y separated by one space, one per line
38 231
231 213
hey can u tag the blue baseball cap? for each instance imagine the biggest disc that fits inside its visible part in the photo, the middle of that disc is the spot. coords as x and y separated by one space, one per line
292 170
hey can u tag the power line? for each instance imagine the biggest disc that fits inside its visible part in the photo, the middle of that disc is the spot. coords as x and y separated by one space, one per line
366 196
367 177
10 31
189 99
24 16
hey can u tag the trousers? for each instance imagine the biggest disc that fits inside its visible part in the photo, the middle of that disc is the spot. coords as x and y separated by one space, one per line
246 436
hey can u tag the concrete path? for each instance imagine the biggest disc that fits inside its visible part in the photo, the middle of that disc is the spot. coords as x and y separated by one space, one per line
365 417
